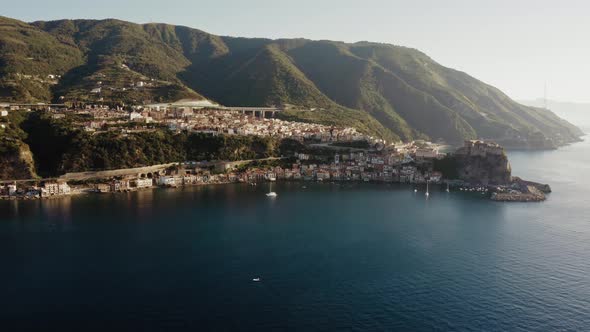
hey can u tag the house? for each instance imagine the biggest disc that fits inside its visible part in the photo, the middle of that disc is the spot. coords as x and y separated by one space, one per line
96 90
3 113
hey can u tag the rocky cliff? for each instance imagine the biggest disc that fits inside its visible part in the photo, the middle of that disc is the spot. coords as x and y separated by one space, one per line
483 162
16 162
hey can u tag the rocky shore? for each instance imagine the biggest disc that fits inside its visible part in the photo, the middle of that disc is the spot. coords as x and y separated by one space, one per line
521 191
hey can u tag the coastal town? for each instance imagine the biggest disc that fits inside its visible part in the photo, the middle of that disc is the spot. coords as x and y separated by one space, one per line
406 163
331 153
195 117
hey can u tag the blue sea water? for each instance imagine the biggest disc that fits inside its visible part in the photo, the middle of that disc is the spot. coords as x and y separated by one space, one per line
329 257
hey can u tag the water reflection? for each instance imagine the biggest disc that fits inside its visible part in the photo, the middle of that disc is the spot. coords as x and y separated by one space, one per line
249 200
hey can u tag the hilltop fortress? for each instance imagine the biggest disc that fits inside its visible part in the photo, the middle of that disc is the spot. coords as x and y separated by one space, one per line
483 162
479 148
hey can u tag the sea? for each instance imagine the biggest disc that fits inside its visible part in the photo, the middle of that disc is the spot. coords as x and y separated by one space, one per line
318 257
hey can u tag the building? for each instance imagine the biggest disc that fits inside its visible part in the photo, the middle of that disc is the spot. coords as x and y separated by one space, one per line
143 183
425 153
157 115
183 112
322 175
167 181
11 189
119 185
103 188
134 116
480 148
189 179
55 189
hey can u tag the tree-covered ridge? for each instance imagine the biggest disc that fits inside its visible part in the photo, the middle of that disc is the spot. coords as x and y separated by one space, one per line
58 147
16 159
384 90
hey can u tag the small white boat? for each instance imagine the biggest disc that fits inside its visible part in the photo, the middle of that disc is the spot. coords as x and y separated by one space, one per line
427 191
256 279
270 192
415 190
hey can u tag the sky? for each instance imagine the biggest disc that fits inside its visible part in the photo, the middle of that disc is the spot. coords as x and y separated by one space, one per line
519 46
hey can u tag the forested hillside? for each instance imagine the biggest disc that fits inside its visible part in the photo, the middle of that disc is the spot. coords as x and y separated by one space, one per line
387 91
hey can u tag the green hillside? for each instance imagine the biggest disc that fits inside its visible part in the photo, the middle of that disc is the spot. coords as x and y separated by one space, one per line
384 90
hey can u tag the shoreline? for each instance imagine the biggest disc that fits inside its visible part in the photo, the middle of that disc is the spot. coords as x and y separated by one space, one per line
492 192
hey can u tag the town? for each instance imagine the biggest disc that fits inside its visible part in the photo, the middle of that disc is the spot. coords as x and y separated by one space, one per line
403 163
329 153
194 116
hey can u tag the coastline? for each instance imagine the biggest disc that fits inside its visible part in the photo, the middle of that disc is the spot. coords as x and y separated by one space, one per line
477 166
496 193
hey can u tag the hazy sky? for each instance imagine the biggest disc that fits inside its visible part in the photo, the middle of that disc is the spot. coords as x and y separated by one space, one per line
517 46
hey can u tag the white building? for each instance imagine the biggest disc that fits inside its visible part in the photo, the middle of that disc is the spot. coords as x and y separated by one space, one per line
143 183
168 181
55 188
11 189
134 116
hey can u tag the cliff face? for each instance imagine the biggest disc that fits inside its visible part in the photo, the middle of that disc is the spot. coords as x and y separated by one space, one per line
16 162
482 162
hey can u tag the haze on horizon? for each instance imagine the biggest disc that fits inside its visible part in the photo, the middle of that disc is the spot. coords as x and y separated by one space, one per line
517 47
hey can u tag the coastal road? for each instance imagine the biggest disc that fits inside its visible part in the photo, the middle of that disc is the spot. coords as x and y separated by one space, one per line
81 176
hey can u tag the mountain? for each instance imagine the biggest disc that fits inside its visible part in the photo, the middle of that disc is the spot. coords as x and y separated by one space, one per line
387 91
576 113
